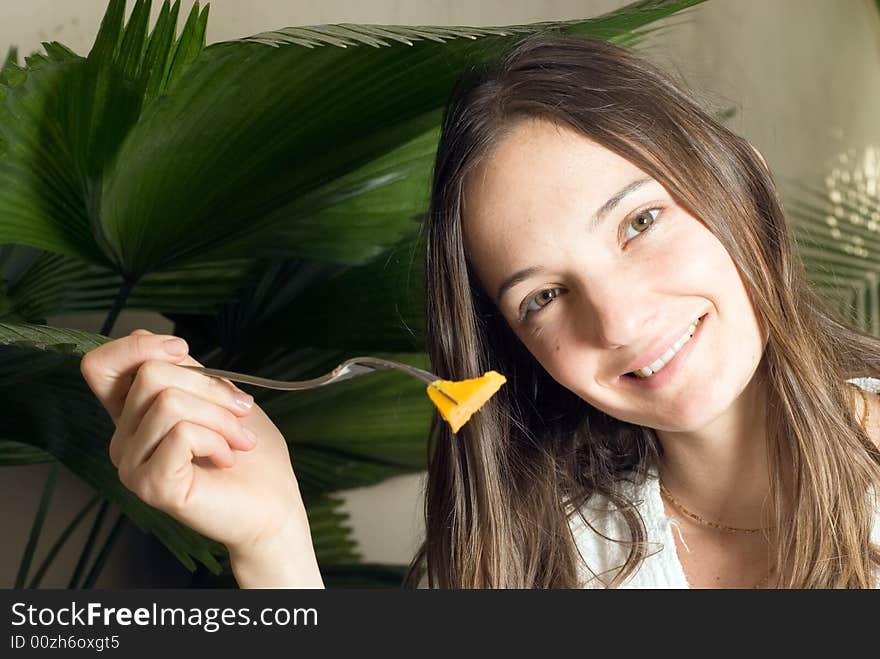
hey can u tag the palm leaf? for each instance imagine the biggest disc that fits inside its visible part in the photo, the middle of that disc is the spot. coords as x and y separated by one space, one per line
277 114
375 307
357 310
331 535
214 161
65 119
52 201
10 73
838 234
16 453
35 284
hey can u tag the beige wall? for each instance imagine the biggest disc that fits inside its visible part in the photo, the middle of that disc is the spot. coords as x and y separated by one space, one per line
804 76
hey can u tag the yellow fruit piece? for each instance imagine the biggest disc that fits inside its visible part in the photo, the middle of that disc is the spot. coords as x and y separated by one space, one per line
470 394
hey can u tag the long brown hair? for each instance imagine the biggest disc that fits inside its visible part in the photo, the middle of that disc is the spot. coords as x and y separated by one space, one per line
499 493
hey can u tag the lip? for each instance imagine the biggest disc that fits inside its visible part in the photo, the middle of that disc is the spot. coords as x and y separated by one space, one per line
671 370
659 348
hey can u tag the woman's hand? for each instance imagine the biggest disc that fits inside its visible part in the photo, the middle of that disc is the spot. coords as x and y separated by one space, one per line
183 445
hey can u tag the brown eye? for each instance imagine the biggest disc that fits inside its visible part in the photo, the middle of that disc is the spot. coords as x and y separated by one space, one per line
544 297
640 222
538 301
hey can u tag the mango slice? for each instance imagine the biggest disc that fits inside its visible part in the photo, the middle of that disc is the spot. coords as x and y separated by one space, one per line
470 394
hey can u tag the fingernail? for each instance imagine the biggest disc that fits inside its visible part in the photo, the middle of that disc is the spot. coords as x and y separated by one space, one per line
250 435
175 346
244 401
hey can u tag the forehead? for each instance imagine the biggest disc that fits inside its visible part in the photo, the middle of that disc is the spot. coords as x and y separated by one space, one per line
540 178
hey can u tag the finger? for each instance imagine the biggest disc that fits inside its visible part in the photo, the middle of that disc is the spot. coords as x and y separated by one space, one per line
108 368
188 441
167 478
155 375
171 407
192 362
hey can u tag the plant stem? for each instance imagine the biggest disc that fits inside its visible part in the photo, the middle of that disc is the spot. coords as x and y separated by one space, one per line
121 297
37 526
105 552
59 543
90 542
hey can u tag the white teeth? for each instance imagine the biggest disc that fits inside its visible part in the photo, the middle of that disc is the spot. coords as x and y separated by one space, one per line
648 371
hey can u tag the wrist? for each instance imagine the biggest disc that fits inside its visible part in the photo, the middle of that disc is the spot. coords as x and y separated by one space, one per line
284 559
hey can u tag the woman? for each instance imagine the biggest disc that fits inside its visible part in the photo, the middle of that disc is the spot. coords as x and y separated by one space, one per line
624 260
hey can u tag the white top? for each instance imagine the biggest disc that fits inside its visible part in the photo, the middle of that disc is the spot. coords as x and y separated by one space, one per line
662 567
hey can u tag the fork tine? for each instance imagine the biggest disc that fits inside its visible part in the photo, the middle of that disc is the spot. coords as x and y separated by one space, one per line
443 393
417 373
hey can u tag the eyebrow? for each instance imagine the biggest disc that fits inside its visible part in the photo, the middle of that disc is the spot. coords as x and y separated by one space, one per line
610 205
521 275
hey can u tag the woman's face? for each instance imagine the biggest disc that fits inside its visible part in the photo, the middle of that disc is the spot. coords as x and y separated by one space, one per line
599 272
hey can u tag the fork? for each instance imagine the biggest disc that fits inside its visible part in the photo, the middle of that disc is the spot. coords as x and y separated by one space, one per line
350 368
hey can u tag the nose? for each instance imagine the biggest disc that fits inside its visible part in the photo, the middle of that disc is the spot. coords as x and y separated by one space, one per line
617 313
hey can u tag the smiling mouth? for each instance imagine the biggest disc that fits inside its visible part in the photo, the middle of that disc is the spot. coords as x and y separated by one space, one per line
649 370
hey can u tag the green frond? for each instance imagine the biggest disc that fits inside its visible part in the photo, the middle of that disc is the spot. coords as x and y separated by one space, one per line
16 453
190 44
839 243
157 61
331 534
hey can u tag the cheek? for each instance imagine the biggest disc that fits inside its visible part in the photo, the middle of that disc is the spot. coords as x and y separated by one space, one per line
739 332
692 260
547 349
699 263
555 350
575 367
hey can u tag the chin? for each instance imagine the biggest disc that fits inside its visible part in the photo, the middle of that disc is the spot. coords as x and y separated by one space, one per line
686 413
682 424
695 412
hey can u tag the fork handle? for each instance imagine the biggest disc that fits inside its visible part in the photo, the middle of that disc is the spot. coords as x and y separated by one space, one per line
262 382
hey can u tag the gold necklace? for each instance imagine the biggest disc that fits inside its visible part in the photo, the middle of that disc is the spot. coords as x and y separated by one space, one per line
695 517
721 527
